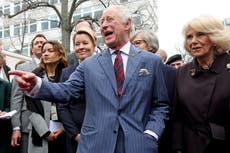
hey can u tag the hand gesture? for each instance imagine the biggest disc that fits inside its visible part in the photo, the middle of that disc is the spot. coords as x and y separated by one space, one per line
51 137
26 80
58 132
16 138
77 137
2 112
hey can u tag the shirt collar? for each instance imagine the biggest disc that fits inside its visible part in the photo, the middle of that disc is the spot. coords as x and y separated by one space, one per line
37 60
125 49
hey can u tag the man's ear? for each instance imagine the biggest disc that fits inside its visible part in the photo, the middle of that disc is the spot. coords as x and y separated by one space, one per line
128 24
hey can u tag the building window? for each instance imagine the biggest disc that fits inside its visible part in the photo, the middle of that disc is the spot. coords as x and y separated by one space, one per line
6 32
7 9
1 13
25 50
123 1
6 48
87 12
16 7
33 27
88 15
97 14
53 2
53 22
227 21
17 30
0 32
76 17
45 25
24 29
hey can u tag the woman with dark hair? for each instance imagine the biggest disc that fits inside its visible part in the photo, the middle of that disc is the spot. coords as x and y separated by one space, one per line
201 112
46 131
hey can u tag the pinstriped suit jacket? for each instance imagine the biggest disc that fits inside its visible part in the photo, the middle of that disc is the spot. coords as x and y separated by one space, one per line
143 105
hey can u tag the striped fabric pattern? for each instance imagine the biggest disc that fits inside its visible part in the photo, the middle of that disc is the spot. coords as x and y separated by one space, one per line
119 71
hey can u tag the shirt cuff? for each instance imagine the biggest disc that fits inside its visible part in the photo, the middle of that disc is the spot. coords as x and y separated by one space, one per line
36 88
16 128
151 133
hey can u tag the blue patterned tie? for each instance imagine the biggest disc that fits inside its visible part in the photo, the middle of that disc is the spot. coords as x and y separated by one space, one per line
119 71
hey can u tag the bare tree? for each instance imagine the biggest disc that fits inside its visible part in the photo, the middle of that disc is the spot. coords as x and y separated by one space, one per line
67 10
64 15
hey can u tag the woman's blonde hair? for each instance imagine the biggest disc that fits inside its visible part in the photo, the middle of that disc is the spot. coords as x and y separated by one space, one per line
215 30
87 31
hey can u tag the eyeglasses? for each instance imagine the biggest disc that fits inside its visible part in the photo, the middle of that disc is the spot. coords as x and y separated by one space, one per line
138 42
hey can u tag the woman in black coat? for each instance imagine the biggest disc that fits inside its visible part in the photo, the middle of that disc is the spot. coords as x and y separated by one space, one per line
201 110
44 138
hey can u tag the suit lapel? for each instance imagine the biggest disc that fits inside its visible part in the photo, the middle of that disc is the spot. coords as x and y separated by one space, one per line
106 63
133 61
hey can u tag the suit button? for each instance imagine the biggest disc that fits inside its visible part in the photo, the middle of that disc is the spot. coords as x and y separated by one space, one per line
119 112
114 131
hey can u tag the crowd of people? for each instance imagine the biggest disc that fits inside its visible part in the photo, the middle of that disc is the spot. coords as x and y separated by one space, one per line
127 98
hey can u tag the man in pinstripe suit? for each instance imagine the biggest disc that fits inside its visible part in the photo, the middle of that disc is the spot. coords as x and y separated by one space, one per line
128 123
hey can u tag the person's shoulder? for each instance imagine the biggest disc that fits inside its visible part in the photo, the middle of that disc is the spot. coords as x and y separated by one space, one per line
226 55
169 68
71 55
150 55
69 68
4 82
25 64
187 67
147 56
97 55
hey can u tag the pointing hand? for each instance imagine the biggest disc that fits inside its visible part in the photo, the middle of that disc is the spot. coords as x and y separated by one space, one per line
26 80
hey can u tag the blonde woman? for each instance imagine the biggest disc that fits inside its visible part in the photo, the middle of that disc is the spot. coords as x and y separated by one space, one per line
201 114
72 114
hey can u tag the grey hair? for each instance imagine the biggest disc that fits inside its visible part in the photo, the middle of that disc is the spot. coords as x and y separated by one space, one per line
123 13
149 37
215 30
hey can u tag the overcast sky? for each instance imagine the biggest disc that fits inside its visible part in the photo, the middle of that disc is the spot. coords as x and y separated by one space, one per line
173 14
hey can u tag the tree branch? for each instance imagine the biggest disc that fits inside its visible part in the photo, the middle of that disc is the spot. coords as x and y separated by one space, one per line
34 5
78 3
104 3
74 6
